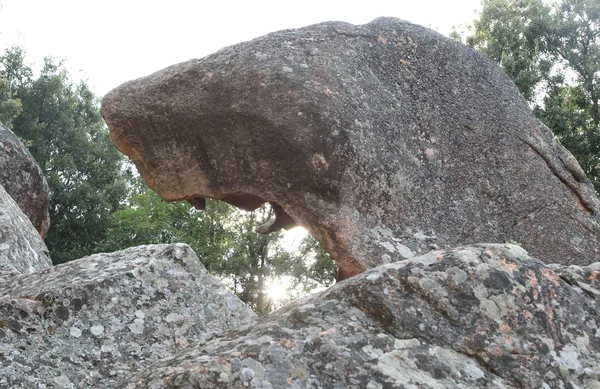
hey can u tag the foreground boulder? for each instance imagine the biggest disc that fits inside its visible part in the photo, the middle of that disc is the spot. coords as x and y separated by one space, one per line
23 180
483 316
94 321
22 250
384 140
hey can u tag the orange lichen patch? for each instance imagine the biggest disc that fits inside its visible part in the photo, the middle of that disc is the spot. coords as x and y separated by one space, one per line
329 331
552 325
225 362
495 351
582 206
532 280
508 266
593 276
287 343
182 342
550 276
504 328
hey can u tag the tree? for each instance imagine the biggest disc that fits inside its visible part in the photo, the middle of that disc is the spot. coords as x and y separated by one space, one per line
226 243
150 220
96 205
552 52
61 125
511 33
10 107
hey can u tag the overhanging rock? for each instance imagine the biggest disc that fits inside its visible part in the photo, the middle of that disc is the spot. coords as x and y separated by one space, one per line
92 322
384 140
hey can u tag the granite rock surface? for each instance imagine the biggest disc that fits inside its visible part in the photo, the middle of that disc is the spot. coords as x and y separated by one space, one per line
22 250
480 316
385 141
92 322
24 181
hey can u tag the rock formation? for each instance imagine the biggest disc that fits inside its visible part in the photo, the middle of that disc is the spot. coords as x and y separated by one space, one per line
22 250
385 141
95 321
23 180
482 316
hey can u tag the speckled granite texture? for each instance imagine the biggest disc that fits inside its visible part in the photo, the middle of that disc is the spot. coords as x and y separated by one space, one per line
94 321
482 316
385 140
22 250
23 180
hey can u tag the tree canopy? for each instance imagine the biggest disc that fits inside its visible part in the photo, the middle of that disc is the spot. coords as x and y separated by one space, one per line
552 52
226 243
98 204
550 49
60 124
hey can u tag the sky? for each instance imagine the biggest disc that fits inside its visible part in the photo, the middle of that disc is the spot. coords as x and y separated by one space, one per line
109 42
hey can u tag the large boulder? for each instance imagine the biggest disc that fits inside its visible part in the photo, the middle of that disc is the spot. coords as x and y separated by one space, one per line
384 139
22 250
482 316
92 322
23 180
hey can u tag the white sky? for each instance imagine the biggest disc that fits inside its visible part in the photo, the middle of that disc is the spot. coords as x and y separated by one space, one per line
110 41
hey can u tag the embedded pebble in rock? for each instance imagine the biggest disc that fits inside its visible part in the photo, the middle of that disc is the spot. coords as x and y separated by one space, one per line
481 316
385 140
23 180
93 322
22 250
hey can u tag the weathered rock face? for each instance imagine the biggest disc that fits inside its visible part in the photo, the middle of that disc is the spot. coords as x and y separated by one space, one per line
385 139
92 322
23 180
22 250
482 316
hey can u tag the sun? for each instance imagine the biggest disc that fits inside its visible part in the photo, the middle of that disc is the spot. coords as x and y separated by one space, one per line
292 239
277 291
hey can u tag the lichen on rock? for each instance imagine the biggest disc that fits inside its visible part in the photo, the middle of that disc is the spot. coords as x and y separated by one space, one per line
92 322
24 181
22 250
481 316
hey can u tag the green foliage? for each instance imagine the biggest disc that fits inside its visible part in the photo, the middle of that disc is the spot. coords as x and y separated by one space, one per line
552 52
90 184
511 32
226 243
315 269
150 220
10 107
61 125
